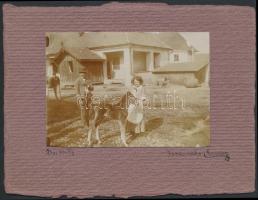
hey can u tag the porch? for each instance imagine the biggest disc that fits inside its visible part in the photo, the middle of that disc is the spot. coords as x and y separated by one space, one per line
121 64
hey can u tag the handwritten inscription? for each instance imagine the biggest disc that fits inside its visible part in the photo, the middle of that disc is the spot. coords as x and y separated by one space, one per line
59 152
205 154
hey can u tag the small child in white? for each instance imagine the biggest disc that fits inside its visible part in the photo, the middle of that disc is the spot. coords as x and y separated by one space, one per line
135 111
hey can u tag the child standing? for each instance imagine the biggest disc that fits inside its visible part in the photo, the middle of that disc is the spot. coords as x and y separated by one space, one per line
135 111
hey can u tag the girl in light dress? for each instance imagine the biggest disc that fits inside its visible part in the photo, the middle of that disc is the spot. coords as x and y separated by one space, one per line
135 110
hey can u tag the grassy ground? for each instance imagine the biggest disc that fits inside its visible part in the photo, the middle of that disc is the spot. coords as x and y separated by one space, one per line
176 126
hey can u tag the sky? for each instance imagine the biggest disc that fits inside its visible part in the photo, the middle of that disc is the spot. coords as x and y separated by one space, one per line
200 40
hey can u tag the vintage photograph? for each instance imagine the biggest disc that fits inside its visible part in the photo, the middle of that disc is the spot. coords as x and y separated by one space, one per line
127 89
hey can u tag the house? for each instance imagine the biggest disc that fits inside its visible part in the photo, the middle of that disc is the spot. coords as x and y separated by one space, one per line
67 62
114 57
181 73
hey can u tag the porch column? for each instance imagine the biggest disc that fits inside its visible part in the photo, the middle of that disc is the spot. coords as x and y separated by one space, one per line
127 66
150 61
105 71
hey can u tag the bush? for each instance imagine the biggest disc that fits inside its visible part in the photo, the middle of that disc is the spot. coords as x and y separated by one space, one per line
191 82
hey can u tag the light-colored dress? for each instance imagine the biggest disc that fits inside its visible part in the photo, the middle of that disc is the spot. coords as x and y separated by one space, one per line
135 110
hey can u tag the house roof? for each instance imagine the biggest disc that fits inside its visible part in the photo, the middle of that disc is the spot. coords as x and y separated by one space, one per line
78 53
83 53
94 40
199 61
106 39
174 40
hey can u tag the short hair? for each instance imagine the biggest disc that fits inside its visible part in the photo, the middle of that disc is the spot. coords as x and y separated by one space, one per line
138 78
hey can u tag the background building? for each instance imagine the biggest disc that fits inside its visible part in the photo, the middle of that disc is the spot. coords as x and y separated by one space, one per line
114 57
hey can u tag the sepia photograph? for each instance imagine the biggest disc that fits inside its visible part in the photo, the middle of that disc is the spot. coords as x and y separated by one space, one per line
127 89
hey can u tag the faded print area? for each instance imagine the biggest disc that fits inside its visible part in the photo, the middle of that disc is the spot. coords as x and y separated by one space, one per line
127 89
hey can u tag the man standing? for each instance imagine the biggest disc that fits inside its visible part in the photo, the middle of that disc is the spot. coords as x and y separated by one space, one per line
54 82
84 90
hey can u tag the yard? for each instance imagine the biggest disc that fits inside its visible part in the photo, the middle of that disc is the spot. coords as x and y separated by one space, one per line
179 125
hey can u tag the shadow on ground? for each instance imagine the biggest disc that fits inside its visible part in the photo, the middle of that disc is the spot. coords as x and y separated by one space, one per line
58 111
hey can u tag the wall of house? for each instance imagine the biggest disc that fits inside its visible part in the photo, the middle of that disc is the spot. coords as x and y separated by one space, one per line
163 57
184 56
94 69
116 58
139 61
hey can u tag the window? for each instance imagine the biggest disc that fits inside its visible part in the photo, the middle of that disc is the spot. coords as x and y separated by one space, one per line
176 57
70 64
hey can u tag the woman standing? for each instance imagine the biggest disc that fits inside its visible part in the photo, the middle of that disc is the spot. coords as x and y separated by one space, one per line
135 109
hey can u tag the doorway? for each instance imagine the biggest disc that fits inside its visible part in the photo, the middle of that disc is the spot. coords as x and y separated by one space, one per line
115 61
